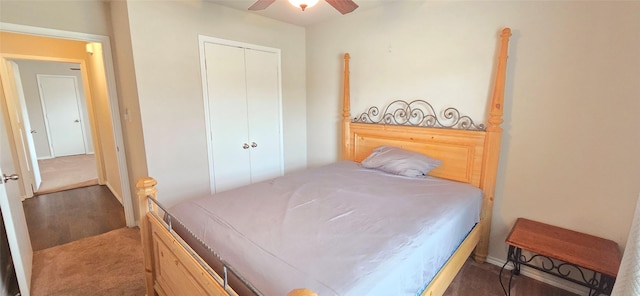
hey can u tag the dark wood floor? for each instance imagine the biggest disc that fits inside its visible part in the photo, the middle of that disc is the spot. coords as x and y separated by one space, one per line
61 217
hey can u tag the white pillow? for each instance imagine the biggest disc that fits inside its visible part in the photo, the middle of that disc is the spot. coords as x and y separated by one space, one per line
398 161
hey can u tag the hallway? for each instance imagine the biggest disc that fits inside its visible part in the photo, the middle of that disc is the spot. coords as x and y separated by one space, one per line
61 217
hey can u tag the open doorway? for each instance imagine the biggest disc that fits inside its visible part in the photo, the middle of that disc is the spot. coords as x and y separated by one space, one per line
93 53
60 127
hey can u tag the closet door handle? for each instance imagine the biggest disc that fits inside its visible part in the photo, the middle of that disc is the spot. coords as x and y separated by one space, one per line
245 146
254 145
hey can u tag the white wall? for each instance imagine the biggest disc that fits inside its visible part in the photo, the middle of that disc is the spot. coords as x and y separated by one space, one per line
167 67
571 134
128 96
28 71
86 16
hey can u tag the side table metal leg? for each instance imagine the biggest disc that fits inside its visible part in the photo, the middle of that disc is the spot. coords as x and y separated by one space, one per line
516 269
516 260
605 285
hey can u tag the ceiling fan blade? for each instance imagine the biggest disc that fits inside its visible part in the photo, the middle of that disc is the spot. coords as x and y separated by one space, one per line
343 6
261 4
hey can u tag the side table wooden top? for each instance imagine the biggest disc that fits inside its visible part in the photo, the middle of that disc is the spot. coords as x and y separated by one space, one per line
588 251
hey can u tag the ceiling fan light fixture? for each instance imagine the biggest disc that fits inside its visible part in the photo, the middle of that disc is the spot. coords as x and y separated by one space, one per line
303 4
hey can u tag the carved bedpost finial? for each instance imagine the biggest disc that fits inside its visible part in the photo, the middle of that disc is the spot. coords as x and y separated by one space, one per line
346 95
346 111
497 103
146 182
146 187
302 292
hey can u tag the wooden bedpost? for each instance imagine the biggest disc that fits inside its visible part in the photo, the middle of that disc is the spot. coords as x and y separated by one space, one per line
146 189
301 292
492 147
347 150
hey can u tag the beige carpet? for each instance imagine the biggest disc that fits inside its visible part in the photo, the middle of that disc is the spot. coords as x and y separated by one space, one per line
106 264
67 172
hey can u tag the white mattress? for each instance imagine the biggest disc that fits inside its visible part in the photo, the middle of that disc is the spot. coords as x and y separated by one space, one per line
337 230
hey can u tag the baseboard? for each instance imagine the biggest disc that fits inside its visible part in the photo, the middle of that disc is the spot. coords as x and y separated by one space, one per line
118 197
51 157
542 277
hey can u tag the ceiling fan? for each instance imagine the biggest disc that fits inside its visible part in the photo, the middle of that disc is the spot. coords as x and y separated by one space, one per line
343 6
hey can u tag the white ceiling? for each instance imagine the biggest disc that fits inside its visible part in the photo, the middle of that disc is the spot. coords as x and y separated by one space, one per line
282 10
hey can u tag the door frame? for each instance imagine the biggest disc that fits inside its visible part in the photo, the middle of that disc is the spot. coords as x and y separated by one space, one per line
78 107
111 94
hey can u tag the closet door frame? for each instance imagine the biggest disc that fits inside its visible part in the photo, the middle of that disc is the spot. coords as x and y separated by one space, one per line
202 40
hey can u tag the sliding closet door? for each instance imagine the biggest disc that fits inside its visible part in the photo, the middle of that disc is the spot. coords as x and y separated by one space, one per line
226 85
263 96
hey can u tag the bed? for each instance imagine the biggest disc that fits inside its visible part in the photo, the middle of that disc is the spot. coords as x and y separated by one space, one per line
198 248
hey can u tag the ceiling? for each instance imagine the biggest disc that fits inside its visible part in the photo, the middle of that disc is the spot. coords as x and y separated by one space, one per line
282 10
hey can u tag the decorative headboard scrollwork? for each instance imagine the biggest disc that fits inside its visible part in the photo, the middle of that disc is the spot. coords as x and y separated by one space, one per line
418 113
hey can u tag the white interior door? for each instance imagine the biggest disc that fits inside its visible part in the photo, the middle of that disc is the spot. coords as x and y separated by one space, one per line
23 141
60 100
13 216
33 165
226 89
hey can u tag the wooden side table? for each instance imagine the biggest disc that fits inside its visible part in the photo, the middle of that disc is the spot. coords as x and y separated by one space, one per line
577 251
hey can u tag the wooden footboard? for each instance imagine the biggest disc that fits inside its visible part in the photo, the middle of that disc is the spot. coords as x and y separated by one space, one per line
172 267
176 267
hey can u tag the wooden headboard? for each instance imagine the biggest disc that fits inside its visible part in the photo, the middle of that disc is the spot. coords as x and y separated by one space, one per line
469 156
460 151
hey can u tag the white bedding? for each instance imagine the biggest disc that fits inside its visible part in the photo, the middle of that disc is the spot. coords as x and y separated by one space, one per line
337 230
